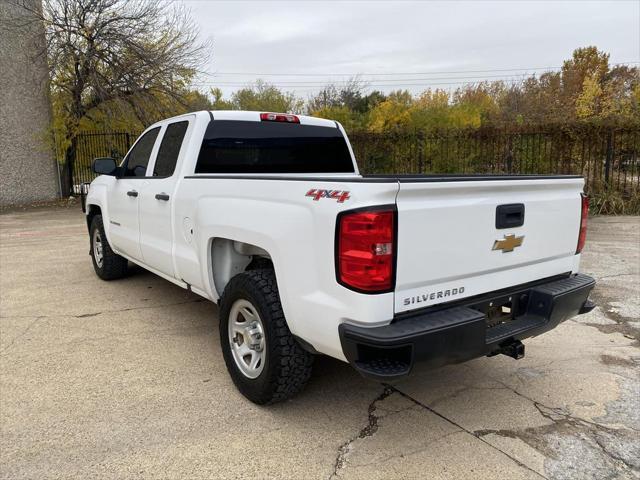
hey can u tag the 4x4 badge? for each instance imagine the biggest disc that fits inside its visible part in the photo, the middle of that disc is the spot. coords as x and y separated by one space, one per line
338 195
508 243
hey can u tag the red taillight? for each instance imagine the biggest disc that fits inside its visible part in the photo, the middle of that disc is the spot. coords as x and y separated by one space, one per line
582 235
366 250
279 117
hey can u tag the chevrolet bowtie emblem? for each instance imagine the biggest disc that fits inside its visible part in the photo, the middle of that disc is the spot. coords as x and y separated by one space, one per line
508 243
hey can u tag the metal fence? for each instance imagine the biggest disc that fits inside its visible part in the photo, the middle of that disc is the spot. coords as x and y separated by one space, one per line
90 145
607 157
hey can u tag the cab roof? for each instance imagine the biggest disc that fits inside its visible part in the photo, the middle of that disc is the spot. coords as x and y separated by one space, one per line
254 116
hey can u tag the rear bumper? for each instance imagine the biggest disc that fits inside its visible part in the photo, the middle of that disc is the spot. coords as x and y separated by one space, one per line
460 333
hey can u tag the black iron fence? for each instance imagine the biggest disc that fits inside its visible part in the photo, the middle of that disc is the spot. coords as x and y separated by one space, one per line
607 157
89 145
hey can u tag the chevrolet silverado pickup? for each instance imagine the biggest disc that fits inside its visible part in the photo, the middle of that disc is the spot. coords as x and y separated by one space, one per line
267 215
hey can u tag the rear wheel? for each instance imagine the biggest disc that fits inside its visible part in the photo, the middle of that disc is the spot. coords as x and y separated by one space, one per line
107 264
265 361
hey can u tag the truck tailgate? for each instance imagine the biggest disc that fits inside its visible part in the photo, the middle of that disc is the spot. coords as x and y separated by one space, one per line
447 232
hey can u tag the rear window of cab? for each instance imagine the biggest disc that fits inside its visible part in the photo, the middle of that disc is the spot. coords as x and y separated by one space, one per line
236 146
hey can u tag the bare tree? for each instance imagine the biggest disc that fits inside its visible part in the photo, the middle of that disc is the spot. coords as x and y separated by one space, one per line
349 93
115 50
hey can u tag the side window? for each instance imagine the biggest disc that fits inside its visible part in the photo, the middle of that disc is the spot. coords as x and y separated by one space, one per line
169 149
138 158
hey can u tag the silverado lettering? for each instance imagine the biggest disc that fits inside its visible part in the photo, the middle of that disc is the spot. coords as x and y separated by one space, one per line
425 297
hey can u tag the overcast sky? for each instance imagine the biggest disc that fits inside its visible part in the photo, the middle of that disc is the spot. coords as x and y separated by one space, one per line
443 43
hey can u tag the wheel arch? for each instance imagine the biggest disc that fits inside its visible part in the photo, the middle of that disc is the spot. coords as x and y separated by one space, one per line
92 211
229 257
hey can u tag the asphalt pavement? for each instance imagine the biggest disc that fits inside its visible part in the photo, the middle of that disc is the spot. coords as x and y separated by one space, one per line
126 379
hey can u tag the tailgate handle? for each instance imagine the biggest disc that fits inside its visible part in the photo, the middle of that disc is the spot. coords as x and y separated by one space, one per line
510 215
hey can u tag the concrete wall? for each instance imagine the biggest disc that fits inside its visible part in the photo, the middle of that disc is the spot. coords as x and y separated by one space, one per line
27 165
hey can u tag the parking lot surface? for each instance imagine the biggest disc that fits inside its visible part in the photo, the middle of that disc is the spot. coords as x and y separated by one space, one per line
126 379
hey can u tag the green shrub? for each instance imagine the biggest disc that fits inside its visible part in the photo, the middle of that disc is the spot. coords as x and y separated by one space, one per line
608 201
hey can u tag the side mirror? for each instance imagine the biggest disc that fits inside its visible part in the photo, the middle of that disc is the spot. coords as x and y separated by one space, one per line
104 166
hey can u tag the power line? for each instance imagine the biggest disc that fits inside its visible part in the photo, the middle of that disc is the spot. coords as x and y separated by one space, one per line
298 74
297 82
423 84
375 82
376 74
314 85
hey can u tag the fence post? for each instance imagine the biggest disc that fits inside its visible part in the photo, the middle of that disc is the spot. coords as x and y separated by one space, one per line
420 139
609 158
509 156
363 159
68 177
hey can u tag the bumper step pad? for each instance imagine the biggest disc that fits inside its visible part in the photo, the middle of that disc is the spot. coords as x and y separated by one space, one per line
514 327
385 367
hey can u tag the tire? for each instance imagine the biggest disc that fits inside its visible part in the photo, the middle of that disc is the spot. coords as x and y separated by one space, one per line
111 266
285 367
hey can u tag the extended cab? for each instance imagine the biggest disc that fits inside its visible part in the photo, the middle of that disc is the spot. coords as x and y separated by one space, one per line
267 215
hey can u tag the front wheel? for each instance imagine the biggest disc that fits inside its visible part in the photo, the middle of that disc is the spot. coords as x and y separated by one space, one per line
265 361
107 264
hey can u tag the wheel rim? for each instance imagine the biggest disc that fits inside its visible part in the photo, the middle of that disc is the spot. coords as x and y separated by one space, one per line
98 254
246 338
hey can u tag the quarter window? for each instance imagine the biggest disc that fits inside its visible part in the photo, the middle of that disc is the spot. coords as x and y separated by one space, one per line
169 149
138 158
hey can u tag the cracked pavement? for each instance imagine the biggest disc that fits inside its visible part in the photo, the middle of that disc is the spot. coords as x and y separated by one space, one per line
126 379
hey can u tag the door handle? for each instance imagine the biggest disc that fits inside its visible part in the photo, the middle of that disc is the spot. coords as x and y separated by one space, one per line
162 196
132 193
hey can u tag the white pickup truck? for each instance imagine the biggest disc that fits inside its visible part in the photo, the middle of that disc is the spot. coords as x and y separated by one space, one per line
267 215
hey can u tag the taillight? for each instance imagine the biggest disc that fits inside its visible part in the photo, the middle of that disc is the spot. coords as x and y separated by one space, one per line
582 235
365 254
279 117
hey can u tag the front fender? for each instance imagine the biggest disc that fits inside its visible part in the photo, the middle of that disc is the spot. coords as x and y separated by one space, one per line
97 196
